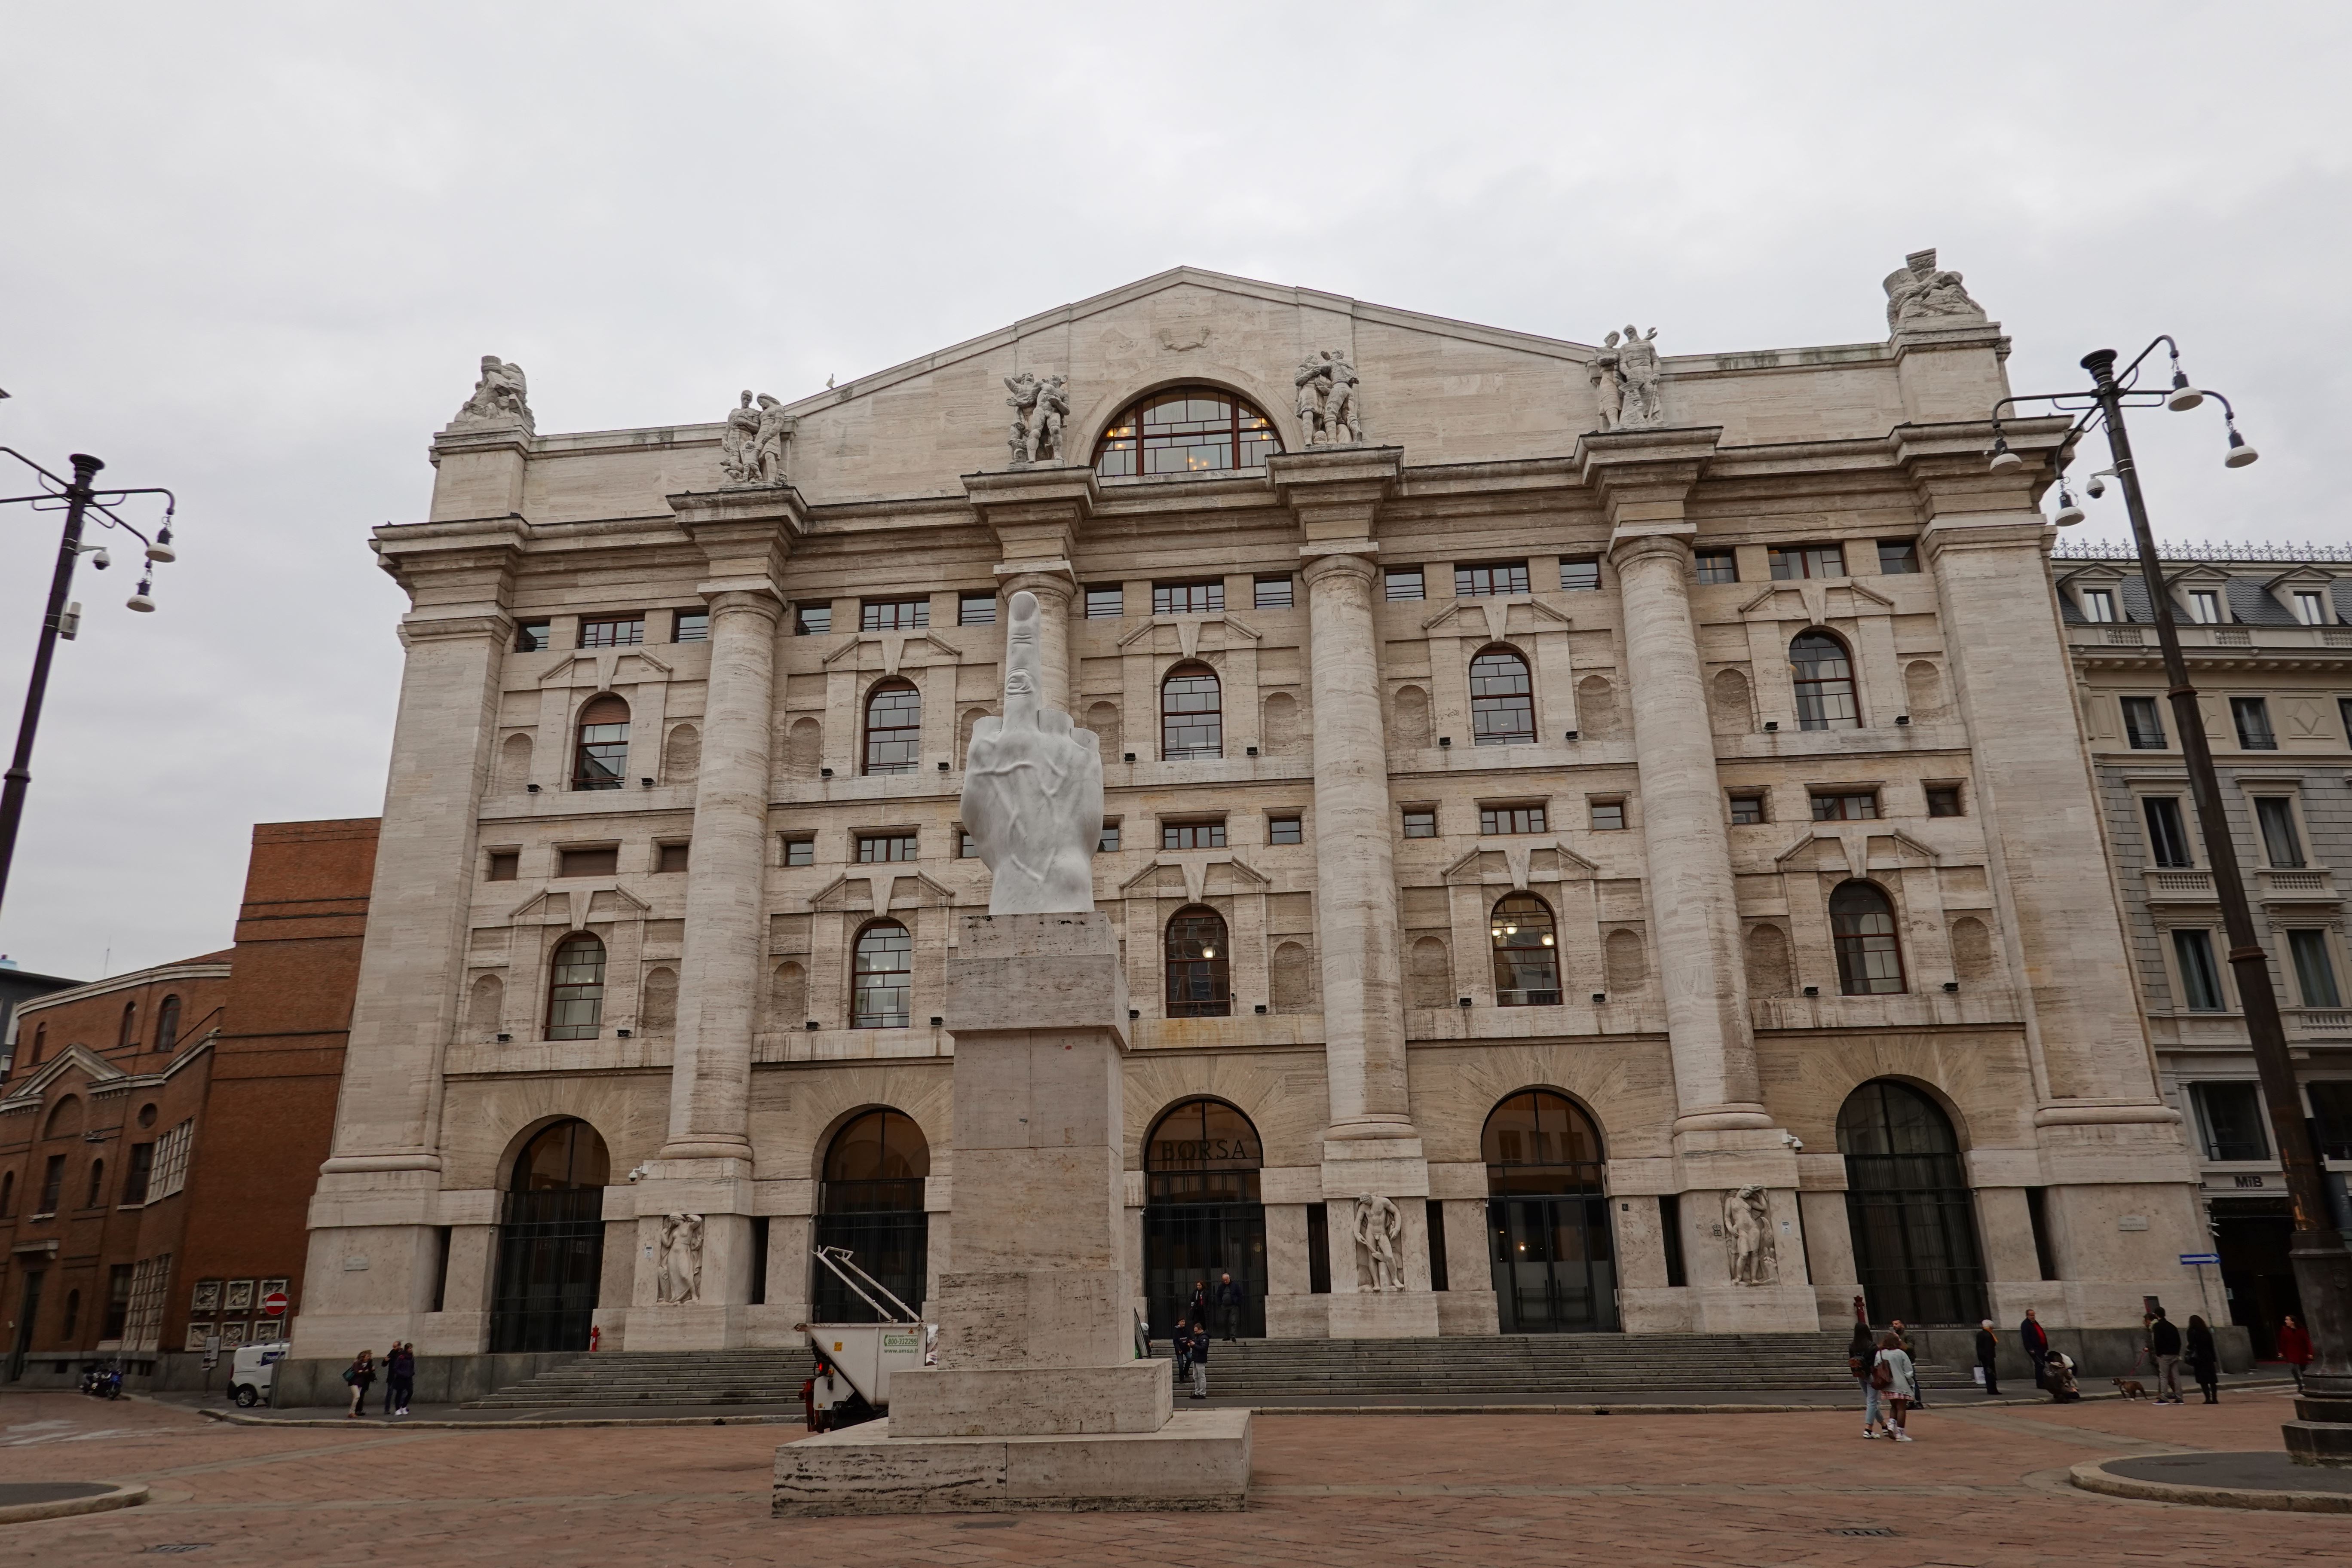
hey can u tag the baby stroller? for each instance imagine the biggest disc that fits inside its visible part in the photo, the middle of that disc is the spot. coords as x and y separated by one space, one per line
2058 1376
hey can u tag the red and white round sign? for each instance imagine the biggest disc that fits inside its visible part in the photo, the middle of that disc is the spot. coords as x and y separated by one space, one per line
274 1304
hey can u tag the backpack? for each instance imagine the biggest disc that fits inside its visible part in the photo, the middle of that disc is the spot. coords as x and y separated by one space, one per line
1882 1376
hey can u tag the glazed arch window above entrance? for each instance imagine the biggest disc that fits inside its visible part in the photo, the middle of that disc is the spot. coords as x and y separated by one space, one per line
1526 953
601 760
1502 698
1823 675
1185 430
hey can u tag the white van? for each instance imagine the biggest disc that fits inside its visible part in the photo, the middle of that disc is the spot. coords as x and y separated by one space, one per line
253 1370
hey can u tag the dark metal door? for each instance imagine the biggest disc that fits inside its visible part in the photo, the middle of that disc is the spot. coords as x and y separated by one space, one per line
1555 1269
550 1259
1185 1243
26 1315
891 1245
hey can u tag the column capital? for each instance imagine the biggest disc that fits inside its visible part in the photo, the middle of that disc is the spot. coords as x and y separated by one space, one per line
1337 492
760 599
1642 476
746 536
1034 513
1054 580
1346 558
1950 469
454 565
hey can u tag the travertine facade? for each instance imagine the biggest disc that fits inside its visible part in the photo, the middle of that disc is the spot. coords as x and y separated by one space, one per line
2268 636
1330 599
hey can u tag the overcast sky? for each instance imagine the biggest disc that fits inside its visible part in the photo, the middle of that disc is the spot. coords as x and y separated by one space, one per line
252 254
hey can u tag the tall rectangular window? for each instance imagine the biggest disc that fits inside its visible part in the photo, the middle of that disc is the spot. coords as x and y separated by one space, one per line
1582 575
1808 561
691 626
2344 716
2311 609
811 620
1318 1249
1108 843
2331 1108
1717 566
2232 1118
441 1237
1493 819
976 610
2098 604
118 1301
2168 833
893 615
1898 557
2252 715
1271 592
1670 1231
2315 970
2200 978
2282 845
1106 603
1436 1212
1187 598
612 631
1486 582
2143 725
53 1184
1400 583
532 636
2037 1214
136 1176
2205 607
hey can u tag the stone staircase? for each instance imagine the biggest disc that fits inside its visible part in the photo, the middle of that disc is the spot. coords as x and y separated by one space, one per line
1573 1368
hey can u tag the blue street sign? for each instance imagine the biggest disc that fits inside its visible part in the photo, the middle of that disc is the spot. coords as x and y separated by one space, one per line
2214 1258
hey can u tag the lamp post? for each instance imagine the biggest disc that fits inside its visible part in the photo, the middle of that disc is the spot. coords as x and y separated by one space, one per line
2323 1267
79 500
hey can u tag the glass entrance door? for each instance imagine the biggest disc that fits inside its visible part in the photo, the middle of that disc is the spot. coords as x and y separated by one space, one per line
1184 1243
550 1261
1908 1208
1554 1271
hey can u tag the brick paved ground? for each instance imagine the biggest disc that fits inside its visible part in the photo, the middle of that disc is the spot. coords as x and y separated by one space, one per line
1980 1488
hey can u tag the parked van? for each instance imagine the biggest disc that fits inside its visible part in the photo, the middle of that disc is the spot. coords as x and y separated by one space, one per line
253 1370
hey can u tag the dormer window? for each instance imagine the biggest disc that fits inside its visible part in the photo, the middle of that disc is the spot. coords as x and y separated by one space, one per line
2310 608
2205 607
2098 604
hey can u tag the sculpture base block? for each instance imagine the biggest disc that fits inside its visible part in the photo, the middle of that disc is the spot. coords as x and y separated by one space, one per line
1378 1315
1198 1462
1031 1401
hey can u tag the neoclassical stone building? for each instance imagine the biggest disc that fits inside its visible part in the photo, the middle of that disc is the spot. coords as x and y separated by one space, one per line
1628 812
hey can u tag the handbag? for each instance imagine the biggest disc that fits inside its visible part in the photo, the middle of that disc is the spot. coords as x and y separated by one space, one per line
1882 1376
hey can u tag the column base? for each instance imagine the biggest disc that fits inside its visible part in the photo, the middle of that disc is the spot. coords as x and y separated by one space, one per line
1031 1401
1381 1315
1198 1462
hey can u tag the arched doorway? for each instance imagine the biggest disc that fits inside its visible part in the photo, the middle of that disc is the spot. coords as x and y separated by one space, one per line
1202 1217
872 1203
1547 1217
550 1242
1908 1205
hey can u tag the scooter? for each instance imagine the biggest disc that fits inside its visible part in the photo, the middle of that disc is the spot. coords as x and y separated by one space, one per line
101 1382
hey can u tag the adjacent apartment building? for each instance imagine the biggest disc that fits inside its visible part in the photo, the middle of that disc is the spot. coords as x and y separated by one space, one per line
161 1131
1628 811
2268 637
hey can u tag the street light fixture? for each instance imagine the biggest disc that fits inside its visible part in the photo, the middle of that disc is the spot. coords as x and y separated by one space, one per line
2323 1267
78 499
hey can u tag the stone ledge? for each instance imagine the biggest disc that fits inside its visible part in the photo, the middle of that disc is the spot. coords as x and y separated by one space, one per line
1199 1462
2283 1496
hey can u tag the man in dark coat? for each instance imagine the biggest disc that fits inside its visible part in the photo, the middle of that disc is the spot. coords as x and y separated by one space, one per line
2035 1339
1229 1308
1988 1348
2164 1344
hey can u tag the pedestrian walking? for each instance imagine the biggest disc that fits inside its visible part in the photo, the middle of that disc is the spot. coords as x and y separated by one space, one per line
1181 1344
2036 1340
1201 1362
400 1376
1229 1310
1988 1349
2164 1344
2294 1348
1197 1312
1918 1395
2204 1360
361 1376
1897 1382
1860 1353
390 1354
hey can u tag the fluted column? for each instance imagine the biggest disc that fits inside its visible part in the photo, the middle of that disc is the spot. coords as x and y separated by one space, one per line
1694 912
1356 898
718 977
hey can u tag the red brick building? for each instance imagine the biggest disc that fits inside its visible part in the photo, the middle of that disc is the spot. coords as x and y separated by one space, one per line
160 1131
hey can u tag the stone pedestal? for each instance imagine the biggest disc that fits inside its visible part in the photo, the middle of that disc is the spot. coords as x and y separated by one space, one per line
1038 1401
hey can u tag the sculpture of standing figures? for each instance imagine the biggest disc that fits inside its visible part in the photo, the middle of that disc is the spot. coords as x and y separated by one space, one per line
1638 370
752 449
1039 408
1032 787
1747 1237
679 1278
1330 400
1379 1229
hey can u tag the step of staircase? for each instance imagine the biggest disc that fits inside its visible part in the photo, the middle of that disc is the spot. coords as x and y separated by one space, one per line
1570 1366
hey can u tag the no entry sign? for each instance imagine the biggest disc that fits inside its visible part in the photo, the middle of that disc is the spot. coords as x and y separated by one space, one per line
274 1304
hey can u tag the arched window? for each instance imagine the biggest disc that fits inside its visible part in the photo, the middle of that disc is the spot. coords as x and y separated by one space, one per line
872 1204
1527 954
129 1035
167 1024
1202 1216
1200 974
1869 959
602 758
1502 700
551 1241
1908 1206
1824 682
96 1183
40 1043
893 728
1548 1216
882 985
1185 430
1191 714
576 989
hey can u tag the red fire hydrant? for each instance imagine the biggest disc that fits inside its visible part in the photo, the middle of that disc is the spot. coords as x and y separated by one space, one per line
595 1335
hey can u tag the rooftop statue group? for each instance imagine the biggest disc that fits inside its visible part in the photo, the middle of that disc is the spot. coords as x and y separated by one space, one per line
1039 409
752 449
501 399
1625 378
1920 295
1330 401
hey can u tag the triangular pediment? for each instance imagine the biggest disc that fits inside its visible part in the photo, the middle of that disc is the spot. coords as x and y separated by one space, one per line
95 1070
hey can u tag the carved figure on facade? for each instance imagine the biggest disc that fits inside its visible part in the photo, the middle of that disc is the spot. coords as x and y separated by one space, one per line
1747 1237
1608 393
1921 295
1330 400
501 399
1380 1231
1627 376
1033 786
751 448
1039 408
678 1263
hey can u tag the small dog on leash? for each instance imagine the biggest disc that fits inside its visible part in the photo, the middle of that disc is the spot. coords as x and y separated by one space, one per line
2130 1388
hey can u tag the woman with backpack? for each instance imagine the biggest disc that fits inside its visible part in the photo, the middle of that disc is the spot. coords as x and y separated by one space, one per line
1897 1382
361 1376
1859 1353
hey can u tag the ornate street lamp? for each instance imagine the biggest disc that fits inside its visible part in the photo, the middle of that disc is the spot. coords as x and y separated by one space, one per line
76 499
2323 1267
